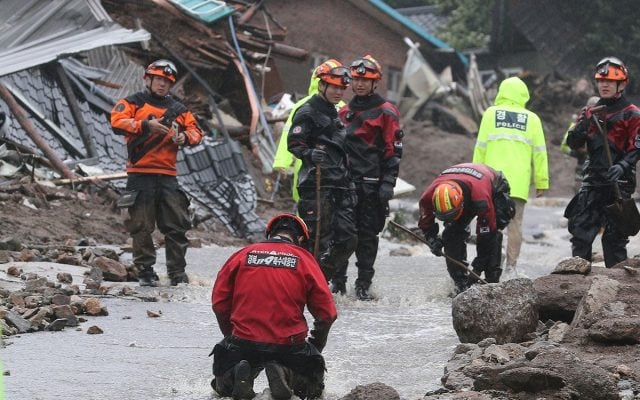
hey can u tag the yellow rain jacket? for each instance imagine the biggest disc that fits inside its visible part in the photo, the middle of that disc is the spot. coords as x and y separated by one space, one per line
511 140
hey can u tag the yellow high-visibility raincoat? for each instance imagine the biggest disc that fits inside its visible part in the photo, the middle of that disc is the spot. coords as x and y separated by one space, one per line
511 140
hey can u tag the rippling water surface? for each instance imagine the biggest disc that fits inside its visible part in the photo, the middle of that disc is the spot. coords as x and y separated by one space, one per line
402 339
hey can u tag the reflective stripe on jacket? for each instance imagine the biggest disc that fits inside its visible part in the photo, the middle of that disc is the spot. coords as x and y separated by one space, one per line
511 140
477 179
147 153
374 139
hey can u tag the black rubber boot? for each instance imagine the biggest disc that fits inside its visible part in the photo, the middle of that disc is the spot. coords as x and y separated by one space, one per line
179 278
362 293
146 277
338 287
242 381
278 377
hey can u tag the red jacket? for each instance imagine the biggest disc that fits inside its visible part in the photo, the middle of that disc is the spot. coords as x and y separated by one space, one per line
477 179
261 292
374 139
151 154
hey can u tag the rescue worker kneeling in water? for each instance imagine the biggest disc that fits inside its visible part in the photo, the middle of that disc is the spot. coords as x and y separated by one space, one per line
259 298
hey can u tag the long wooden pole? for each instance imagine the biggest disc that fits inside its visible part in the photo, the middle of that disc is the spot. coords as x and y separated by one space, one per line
421 239
95 178
26 124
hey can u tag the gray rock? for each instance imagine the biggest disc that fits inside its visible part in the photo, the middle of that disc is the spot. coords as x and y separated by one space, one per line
559 295
31 285
589 380
527 379
64 277
573 265
505 311
57 325
65 312
372 391
111 270
15 320
10 244
400 252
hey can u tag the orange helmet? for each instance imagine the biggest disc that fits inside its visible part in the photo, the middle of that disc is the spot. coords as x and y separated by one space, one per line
333 73
163 68
612 68
448 201
290 222
366 67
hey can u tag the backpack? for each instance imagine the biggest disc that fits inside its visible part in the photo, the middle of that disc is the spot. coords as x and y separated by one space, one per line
503 203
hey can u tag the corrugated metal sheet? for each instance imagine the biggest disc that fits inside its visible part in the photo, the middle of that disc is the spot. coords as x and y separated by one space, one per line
542 22
426 17
34 32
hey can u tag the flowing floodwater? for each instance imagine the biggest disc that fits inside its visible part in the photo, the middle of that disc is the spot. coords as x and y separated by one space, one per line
402 339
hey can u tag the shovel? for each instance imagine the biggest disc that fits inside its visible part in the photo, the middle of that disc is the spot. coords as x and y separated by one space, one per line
622 212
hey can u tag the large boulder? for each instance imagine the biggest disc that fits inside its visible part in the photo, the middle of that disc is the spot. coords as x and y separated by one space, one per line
372 391
504 311
608 313
559 295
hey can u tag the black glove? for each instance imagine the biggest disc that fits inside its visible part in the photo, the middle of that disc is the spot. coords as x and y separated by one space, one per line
435 244
318 156
319 333
615 172
585 115
385 192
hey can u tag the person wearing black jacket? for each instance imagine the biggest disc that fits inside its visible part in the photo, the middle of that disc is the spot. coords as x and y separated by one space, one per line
374 146
621 121
317 137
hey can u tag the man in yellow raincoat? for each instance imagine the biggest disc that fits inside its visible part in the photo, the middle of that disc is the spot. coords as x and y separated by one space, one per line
511 140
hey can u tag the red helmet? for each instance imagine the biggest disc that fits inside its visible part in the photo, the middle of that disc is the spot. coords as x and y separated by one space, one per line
366 67
163 68
612 68
448 201
290 222
333 73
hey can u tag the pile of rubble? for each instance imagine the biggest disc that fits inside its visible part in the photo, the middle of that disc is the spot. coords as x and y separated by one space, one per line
572 334
31 302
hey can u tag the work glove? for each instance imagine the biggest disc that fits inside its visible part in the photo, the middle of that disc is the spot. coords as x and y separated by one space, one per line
318 156
585 115
435 244
385 192
319 333
615 172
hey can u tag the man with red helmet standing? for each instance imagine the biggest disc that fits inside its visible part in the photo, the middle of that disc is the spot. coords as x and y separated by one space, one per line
621 121
327 195
374 145
459 194
154 126
258 298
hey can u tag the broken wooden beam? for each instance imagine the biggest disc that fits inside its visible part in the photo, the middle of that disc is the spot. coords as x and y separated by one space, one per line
95 178
26 124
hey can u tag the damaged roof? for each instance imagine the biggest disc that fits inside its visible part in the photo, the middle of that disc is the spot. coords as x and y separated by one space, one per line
76 34
542 22
35 32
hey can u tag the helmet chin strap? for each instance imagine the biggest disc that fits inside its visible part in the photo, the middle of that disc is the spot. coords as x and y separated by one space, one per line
157 96
324 91
374 86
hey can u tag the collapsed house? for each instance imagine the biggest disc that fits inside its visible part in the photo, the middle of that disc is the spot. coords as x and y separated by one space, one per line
62 69
66 62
